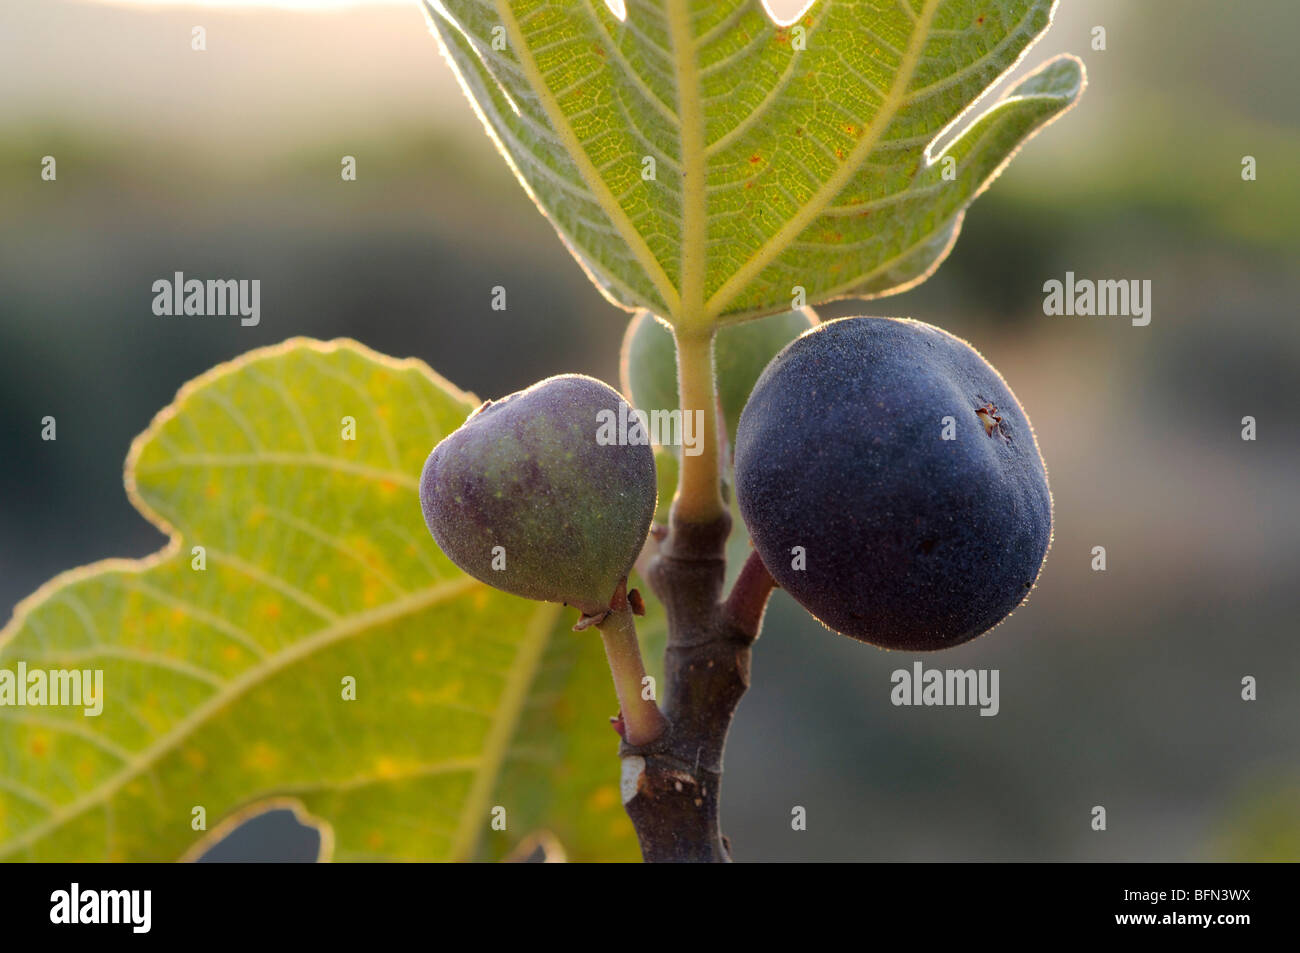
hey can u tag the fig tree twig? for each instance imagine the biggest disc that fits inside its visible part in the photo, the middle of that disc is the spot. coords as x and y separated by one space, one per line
672 786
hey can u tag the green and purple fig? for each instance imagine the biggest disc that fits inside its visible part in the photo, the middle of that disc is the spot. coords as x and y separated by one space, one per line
531 496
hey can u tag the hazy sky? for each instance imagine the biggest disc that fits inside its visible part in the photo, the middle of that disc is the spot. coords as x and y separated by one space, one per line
783 9
270 74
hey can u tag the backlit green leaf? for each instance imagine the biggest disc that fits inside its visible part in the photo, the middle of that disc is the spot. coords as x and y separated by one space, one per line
224 685
702 162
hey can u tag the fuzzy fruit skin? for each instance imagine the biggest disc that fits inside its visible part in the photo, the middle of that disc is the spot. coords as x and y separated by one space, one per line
648 363
527 473
912 542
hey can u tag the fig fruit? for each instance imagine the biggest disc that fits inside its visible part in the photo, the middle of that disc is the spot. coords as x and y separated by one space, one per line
530 496
892 484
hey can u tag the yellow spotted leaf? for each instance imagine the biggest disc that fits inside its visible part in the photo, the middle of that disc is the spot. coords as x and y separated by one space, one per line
302 640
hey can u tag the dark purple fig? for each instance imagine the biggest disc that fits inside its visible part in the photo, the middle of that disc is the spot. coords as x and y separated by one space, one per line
891 483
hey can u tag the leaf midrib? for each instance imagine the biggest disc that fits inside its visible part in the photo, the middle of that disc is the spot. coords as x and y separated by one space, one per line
694 165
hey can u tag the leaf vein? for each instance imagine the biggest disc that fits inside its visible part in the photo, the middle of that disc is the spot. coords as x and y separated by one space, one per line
140 762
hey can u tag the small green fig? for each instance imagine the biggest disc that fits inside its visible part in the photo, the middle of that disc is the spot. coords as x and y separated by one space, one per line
532 497
648 364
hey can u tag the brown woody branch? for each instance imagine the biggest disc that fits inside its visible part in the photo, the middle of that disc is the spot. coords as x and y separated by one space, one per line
672 787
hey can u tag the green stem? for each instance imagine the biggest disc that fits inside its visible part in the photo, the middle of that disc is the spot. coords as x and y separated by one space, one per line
643 722
699 485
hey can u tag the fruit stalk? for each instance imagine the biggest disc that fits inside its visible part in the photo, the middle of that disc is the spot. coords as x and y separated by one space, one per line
748 600
642 720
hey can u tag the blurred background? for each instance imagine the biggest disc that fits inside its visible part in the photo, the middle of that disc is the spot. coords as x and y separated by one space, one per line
1119 688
